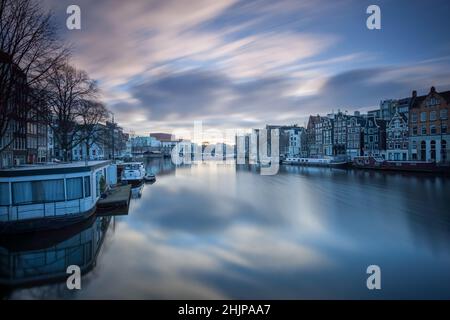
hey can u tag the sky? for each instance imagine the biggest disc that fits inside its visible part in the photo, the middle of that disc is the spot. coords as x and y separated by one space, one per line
163 64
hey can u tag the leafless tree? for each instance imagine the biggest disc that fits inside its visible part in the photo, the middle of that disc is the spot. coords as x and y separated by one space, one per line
29 49
92 116
67 90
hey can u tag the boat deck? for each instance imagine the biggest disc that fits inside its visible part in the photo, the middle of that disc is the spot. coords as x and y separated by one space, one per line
116 202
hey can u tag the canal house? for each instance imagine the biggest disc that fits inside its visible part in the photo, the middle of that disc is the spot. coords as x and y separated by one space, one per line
39 197
429 121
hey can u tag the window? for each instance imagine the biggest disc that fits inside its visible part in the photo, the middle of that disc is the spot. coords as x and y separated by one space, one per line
444 128
433 150
414 130
433 129
423 116
38 191
424 130
414 117
432 115
444 150
4 194
74 188
444 114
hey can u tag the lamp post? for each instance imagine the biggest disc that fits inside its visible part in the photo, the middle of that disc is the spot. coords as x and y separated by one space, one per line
113 127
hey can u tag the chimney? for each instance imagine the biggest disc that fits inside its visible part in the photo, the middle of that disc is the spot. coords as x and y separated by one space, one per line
414 93
432 90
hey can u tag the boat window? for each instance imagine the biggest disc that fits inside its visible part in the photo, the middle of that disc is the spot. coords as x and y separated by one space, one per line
38 191
4 194
87 187
74 188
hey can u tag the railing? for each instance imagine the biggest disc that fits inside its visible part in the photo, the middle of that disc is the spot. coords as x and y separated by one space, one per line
14 212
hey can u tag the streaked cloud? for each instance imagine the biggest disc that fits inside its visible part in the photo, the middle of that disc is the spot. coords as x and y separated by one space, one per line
232 63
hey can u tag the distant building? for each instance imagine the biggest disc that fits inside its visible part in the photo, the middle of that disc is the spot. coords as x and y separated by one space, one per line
340 121
429 136
327 136
13 143
311 140
374 114
388 109
142 144
167 142
397 135
297 142
162 136
355 136
374 137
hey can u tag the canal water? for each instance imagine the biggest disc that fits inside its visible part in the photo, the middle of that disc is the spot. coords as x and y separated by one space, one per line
213 231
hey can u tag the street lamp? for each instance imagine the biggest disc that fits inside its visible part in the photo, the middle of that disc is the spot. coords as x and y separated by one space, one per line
113 127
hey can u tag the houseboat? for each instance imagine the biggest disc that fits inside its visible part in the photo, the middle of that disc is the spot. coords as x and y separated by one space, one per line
316 162
133 173
379 163
50 196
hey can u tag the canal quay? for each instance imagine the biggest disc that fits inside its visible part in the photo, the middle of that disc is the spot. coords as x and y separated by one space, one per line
211 231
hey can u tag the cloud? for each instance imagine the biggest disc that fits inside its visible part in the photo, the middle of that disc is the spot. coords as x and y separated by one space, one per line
231 63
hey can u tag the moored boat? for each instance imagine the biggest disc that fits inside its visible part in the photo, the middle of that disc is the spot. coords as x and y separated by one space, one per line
149 177
317 162
379 163
133 173
44 197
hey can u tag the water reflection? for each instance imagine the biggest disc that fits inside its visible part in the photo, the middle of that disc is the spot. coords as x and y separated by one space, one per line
224 231
36 259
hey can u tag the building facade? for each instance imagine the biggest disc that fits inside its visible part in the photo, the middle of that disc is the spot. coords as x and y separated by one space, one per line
374 137
297 141
311 147
328 136
355 136
340 134
429 138
397 135
14 116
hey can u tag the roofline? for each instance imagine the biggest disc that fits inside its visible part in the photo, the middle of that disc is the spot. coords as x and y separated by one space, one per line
47 171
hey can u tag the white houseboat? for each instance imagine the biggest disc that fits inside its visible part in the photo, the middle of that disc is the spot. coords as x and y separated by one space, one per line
42 197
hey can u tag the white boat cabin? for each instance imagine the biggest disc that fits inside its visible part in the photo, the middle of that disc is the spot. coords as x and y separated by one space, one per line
52 190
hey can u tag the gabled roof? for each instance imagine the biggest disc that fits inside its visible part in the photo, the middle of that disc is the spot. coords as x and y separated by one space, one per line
400 115
417 101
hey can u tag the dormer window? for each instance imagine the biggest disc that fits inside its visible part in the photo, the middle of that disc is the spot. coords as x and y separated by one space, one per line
433 102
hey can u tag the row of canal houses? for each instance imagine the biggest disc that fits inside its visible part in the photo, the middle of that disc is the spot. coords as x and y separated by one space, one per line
412 128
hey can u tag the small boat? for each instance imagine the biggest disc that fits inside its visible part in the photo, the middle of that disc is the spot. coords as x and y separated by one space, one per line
133 173
317 162
149 177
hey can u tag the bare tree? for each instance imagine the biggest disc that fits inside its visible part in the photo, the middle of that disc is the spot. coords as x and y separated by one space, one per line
92 115
29 49
67 90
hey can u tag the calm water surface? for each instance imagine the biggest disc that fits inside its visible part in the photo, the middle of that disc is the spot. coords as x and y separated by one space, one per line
221 231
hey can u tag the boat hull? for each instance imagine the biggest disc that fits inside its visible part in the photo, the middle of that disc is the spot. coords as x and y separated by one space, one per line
43 224
134 182
317 163
407 166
